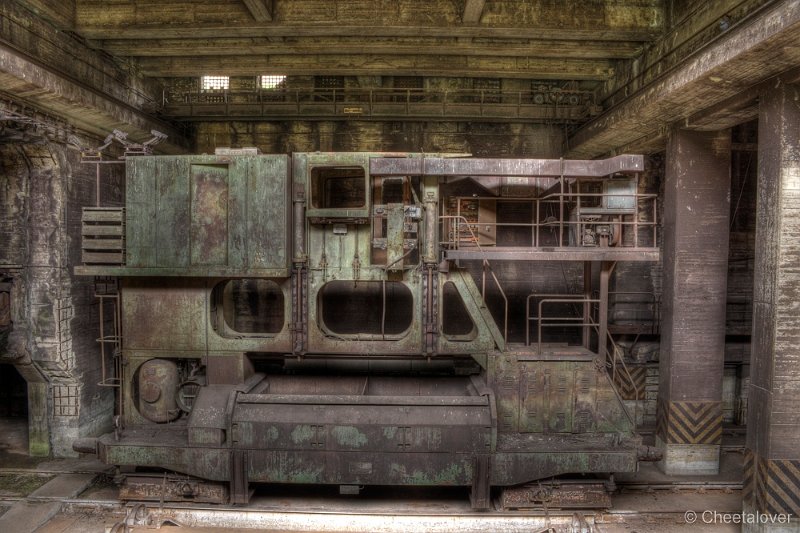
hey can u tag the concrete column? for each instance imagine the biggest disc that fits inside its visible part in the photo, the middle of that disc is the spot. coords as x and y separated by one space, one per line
695 256
326 132
772 457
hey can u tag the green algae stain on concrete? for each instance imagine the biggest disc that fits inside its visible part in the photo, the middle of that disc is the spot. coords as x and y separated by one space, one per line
349 436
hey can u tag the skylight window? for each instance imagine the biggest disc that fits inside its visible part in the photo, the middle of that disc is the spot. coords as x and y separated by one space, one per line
216 83
273 82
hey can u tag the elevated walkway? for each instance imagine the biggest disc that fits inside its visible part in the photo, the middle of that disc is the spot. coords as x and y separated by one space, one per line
525 253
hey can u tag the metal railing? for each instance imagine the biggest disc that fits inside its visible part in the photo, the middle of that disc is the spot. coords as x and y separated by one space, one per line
378 101
486 266
627 225
543 321
610 350
615 353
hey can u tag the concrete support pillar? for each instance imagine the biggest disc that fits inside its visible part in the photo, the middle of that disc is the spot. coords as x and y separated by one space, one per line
695 256
772 457
326 132
38 419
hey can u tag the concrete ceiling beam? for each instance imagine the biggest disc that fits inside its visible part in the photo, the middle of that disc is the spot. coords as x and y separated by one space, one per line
261 10
386 46
473 9
55 72
763 46
88 110
361 65
636 20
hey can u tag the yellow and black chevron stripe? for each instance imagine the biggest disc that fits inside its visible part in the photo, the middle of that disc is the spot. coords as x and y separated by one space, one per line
749 481
689 422
631 388
772 486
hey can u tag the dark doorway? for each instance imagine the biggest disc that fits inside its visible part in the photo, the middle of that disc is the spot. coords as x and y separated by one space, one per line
13 411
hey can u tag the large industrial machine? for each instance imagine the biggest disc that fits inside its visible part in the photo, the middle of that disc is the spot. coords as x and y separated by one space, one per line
338 318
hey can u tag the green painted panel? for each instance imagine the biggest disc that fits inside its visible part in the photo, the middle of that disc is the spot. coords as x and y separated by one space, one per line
209 240
558 391
140 211
240 170
207 215
173 219
267 212
533 399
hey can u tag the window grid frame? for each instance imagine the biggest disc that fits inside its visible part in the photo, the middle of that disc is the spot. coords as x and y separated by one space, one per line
271 82
215 83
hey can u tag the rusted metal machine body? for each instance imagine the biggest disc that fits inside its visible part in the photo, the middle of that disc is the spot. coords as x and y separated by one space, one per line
313 320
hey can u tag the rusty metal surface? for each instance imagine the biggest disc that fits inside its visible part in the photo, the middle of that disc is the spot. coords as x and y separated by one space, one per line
207 215
430 166
346 371
555 495
556 254
171 488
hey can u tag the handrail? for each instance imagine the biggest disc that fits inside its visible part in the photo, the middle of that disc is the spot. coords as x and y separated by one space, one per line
570 321
573 298
618 355
353 94
628 224
378 101
485 265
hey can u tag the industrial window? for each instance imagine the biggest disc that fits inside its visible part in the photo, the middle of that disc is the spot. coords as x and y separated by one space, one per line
270 82
366 307
338 187
412 86
215 83
407 82
328 88
249 306
456 321
329 82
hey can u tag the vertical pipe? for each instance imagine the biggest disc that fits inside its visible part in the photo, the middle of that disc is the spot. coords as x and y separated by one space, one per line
483 281
430 325
101 300
635 214
561 209
97 183
299 224
587 306
383 309
605 274
431 218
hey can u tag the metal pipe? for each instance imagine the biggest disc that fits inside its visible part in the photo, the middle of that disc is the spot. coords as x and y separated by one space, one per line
587 293
429 321
431 217
561 208
97 182
607 267
299 224
383 308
